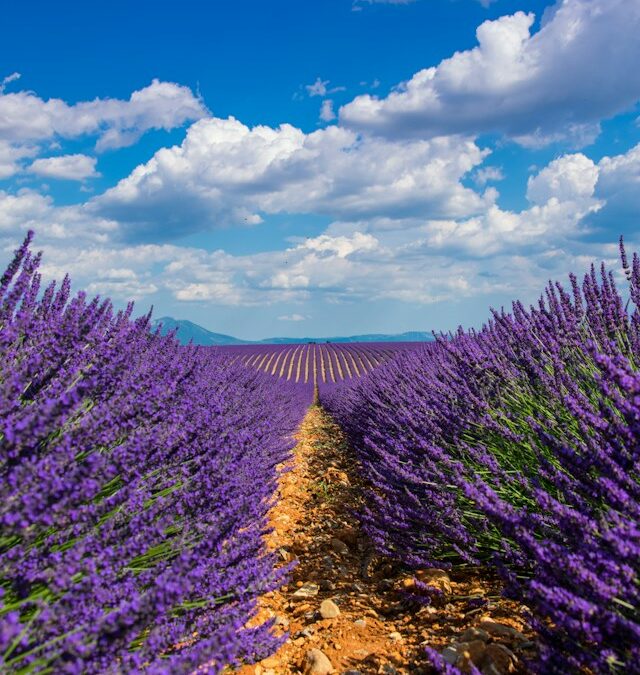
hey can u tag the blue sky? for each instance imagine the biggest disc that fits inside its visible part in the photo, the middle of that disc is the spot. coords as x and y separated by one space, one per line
334 167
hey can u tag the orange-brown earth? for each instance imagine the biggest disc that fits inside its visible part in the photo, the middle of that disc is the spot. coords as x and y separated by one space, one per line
354 607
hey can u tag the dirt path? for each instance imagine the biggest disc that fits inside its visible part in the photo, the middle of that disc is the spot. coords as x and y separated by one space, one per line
377 629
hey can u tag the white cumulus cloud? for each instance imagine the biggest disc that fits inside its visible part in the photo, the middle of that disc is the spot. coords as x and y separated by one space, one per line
567 178
225 172
25 117
536 88
10 156
68 167
326 111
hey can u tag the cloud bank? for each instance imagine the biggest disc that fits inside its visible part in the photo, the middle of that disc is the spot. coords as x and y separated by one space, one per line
535 88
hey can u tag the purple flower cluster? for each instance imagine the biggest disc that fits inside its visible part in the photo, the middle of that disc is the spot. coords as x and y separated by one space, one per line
518 446
135 479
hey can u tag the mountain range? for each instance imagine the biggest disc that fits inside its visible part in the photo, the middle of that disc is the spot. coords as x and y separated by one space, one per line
188 331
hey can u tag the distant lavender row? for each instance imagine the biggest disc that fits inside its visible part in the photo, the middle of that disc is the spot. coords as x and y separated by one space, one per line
327 364
519 446
135 478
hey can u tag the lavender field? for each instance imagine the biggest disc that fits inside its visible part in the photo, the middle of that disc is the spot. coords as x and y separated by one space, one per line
138 475
316 364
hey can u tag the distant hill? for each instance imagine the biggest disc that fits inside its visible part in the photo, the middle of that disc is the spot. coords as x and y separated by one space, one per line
188 331
412 336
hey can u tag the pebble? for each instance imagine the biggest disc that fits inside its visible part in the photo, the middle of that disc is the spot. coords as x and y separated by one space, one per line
385 584
395 636
316 663
470 652
472 634
499 659
435 577
501 630
305 633
284 554
308 590
348 535
270 662
329 609
450 655
339 546
327 585
360 623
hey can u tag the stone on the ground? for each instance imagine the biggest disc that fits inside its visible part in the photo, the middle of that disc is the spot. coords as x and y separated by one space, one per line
470 653
281 621
496 629
360 623
348 534
339 546
316 663
472 634
308 590
395 636
450 655
387 669
435 577
327 585
498 660
385 584
329 609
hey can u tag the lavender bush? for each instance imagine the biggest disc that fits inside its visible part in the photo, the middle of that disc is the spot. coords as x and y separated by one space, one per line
135 478
517 446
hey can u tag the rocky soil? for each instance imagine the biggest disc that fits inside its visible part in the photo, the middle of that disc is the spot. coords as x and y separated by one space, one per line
347 611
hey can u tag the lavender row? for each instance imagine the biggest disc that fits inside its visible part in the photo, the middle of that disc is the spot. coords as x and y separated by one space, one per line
326 364
135 479
517 447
